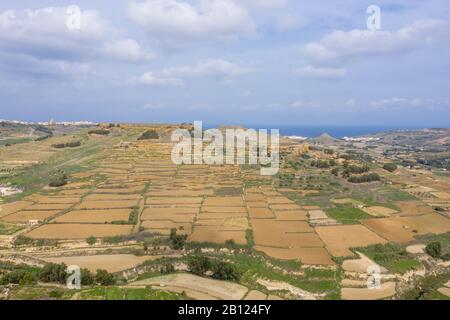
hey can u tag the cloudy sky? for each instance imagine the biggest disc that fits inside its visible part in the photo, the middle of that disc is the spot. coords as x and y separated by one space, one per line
252 62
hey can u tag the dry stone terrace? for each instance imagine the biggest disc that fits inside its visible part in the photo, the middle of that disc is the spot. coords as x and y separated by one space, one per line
207 203
133 187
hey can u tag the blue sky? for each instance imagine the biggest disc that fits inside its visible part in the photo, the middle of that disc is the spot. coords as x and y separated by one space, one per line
251 62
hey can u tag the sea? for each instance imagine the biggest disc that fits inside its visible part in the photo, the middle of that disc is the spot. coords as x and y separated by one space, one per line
334 131
315 131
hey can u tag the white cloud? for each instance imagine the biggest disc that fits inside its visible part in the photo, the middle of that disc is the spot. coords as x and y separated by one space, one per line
213 68
322 73
271 4
19 64
173 20
210 68
406 102
342 44
152 79
42 37
127 49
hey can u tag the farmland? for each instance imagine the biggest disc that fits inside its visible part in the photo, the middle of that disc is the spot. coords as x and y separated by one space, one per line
306 233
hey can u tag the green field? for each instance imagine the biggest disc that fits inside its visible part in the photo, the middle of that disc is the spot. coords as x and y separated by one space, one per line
9 229
347 214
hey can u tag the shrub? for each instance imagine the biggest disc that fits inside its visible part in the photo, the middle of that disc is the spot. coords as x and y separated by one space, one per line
358 169
43 138
23 240
52 272
87 278
105 278
167 268
391 167
149 134
56 294
434 249
58 178
20 276
335 171
177 241
199 265
365 178
322 164
102 132
91 240
231 244
225 271
73 144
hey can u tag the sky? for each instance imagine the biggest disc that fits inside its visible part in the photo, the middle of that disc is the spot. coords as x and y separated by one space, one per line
243 62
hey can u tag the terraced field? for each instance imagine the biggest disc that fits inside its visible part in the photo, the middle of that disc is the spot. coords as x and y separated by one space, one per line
125 201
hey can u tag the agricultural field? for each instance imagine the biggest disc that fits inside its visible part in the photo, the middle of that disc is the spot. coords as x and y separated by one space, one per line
144 228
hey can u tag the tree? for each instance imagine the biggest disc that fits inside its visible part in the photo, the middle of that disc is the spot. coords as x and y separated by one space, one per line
199 265
105 278
87 278
58 178
91 240
434 249
225 271
167 268
20 276
177 241
52 272
231 244
364 178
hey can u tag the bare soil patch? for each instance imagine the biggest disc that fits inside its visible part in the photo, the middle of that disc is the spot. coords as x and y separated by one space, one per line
310 256
339 239
217 235
257 204
59 206
377 211
218 289
413 208
95 216
113 204
224 202
174 201
112 197
78 231
280 207
110 263
9 208
403 229
261 213
224 209
385 291
294 215
25 216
